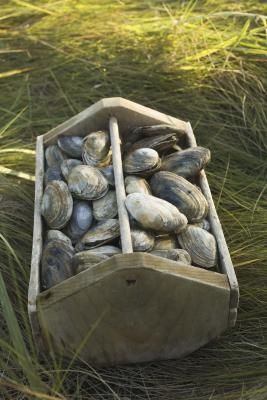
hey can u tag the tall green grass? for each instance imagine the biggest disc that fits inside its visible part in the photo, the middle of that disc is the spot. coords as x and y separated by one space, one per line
203 61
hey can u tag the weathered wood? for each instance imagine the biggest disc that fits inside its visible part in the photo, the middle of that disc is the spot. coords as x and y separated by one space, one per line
135 307
216 227
34 284
128 113
126 241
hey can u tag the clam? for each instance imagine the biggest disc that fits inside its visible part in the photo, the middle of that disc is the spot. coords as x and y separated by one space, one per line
158 142
80 221
107 250
142 240
106 207
178 191
142 162
165 242
174 254
187 163
87 183
57 204
161 129
96 149
155 214
108 174
200 244
204 224
86 259
136 184
101 233
54 156
53 174
56 263
53 234
68 165
71 145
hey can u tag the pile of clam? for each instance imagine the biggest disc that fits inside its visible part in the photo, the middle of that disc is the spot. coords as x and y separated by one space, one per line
166 208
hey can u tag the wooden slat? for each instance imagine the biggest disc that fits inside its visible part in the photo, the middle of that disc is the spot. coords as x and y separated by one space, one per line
34 284
135 307
225 258
97 116
126 241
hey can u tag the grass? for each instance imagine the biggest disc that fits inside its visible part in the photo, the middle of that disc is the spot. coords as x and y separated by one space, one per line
204 61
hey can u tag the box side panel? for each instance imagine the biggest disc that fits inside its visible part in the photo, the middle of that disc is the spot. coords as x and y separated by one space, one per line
34 284
225 259
133 308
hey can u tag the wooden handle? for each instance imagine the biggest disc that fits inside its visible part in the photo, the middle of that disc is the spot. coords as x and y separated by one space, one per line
126 240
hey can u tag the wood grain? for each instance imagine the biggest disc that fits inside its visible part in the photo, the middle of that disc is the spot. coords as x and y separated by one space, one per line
135 307
126 241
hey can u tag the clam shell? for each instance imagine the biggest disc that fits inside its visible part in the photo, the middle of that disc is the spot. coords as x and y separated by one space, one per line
54 156
53 174
101 233
174 254
204 224
165 242
107 250
178 191
187 163
80 221
108 174
158 142
142 162
87 183
71 145
57 204
53 234
200 244
161 129
56 263
67 165
106 207
142 240
86 259
155 214
96 149
136 184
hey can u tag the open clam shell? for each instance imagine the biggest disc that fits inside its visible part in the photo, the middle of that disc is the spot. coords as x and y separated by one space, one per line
101 233
174 254
86 259
141 162
80 221
106 207
57 204
142 240
178 191
56 263
96 149
136 184
54 156
200 244
71 145
155 214
187 163
67 165
158 142
87 183
53 174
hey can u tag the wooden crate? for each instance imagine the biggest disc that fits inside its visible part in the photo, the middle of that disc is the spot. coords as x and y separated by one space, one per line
132 307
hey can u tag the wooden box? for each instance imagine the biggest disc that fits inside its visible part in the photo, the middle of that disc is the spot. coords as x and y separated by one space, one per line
132 307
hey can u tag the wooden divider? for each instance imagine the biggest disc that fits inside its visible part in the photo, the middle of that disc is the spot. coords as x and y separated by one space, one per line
126 241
